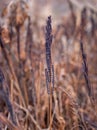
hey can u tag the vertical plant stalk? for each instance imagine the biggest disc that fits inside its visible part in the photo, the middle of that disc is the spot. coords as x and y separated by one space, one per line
85 69
48 37
53 77
10 64
18 41
28 51
4 94
29 41
73 17
49 71
84 59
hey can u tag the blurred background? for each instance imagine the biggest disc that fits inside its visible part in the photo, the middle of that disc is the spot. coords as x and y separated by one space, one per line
56 8
73 21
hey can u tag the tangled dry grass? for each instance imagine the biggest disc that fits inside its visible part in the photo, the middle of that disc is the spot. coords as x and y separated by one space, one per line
48 72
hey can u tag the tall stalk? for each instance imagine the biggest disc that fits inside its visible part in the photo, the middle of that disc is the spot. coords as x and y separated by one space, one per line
49 71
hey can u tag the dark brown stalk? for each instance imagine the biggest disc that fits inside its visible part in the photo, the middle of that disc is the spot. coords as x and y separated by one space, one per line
48 37
85 67
6 99
49 71
5 96
73 17
18 41
10 64
28 50
29 41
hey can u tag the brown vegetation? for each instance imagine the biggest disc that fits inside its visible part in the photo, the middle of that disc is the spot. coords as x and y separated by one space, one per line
48 73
